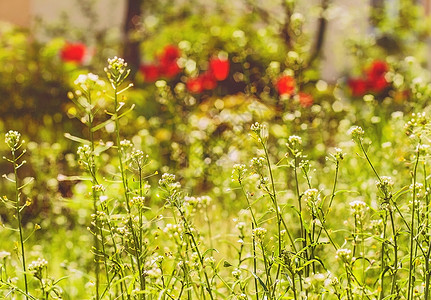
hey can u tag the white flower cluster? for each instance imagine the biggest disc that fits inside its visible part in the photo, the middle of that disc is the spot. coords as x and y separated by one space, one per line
173 230
36 267
168 182
294 141
312 198
358 208
138 201
12 139
343 254
197 202
84 152
89 81
356 132
256 127
259 234
238 172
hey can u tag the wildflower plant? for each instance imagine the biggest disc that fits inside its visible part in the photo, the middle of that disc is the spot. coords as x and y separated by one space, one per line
15 144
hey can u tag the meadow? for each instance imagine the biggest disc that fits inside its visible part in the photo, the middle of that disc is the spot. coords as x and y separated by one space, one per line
222 167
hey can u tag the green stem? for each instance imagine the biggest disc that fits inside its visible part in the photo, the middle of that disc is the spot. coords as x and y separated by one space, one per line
277 209
126 193
412 231
256 286
394 274
303 234
427 256
92 169
382 257
196 248
253 226
141 227
427 272
267 271
18 213
368 159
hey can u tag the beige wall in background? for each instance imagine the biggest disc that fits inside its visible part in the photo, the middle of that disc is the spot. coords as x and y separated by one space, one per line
15 11
110 13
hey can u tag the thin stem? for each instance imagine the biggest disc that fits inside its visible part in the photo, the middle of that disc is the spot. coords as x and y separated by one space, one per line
427 273
334 186
196 248
256 286
277 209
303 235
141 227
274 196
368 159
253 226
126 192
18 213
412 231
349 283
427 256
295 297
394 274
382 256
92 169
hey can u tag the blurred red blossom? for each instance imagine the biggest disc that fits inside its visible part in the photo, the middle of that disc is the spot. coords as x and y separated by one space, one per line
168 66
150 72
165 66
305 99
209 81
169 70
205 81
195 85
374 80
73 52
376 76
219 68
358 86
170 54
285 85
378 85
377 69
218 71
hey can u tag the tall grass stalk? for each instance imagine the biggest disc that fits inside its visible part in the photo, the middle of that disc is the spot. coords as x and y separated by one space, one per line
410 286
12 139
117 73
238 175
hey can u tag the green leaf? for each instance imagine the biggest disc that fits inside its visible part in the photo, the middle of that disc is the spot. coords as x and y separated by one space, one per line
76 139
260 281
227 264
101 125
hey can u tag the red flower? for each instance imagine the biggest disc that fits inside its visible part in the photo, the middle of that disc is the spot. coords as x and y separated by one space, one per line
285 85
150 72
73 53
168 61
209 81
170 54
169 69
376 76
374 80
305 100
219 68
358 86
379 84
377 70
195 85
